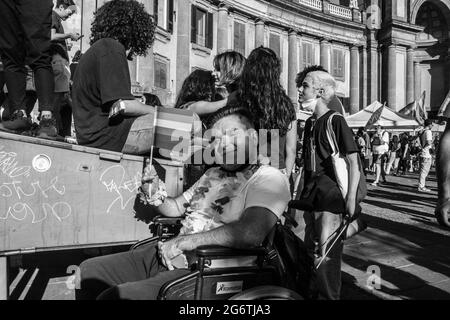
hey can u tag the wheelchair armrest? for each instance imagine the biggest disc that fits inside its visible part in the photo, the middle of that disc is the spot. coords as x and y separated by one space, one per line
164 227
216 251
166 220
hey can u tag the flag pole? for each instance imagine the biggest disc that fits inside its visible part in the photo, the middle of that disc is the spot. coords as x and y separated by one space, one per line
152 147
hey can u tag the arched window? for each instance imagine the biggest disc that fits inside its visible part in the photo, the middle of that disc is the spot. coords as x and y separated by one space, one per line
434 22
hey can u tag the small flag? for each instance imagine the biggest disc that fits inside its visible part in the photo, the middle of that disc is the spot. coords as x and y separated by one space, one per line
409 110
173 128
421 115
375 117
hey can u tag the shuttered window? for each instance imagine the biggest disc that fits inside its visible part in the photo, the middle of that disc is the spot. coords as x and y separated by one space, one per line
161 74
337 64
202 27
163 13
239 37
308 54
274 44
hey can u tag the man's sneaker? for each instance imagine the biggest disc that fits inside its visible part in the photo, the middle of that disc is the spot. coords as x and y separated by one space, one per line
47 128
17 122
424 190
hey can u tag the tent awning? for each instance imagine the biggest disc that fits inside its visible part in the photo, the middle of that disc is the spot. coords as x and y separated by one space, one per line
389 119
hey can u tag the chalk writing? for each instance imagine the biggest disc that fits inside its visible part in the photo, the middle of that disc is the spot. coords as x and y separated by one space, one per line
20 211
115 182
10 167
16 188
21 192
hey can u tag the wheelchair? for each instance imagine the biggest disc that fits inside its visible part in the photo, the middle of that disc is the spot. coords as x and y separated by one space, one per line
218 273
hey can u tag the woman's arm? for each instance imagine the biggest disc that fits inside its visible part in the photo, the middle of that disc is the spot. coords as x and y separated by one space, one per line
205 107
291 147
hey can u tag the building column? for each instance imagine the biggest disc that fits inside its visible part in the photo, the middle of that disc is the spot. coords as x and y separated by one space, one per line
325 48
354 79
392 77
410 88
373 68
293 66
260 33
417 80
222 29
183 42
363 77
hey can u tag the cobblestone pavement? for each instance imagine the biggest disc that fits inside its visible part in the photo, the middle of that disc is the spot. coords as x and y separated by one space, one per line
404 241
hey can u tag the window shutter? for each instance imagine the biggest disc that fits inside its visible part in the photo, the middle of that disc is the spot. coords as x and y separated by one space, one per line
209 30
170 16
194 25
155 11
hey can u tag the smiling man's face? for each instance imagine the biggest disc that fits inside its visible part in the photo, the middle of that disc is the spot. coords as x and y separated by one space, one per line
234 141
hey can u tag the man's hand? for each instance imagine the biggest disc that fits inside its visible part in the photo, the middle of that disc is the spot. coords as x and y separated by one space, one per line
168 251
150 180
74 36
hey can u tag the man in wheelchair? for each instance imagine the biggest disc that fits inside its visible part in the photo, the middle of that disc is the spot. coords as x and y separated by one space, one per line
234 205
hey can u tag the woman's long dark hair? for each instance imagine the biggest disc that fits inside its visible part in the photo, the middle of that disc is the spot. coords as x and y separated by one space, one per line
261 92
198 86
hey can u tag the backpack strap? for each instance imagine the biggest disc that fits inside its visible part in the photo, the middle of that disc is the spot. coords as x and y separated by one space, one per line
331 135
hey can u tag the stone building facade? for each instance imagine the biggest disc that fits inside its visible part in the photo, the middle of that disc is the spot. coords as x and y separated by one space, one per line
389 51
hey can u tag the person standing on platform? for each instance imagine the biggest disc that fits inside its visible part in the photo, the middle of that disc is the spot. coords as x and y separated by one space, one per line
25 33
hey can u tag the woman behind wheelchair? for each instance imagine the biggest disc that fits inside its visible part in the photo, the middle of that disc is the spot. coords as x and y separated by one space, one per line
234 205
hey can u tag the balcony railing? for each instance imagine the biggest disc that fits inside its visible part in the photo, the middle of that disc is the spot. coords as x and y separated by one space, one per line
315 4
342 12
333 9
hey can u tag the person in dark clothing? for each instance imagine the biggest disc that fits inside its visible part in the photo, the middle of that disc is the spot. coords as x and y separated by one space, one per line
25 30
106 114
321 191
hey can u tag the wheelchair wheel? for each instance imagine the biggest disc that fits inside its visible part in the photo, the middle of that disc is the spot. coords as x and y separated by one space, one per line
267 293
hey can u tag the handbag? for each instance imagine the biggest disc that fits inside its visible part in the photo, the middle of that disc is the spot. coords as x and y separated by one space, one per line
341 166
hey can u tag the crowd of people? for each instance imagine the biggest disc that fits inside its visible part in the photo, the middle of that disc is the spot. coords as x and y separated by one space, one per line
233 204
384 153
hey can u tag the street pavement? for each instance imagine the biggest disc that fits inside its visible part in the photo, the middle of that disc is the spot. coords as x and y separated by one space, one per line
403 242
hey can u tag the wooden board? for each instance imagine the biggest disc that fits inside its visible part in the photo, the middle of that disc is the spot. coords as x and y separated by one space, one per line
57 195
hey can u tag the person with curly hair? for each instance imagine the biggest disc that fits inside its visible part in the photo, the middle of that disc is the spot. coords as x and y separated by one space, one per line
260 90
106 114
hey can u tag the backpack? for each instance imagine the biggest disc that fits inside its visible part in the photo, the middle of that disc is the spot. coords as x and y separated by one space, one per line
290 256
376 141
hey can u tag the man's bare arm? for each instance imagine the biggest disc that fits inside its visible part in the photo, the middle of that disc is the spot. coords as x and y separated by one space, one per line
355 175
291 147
63 36
249 232
135 108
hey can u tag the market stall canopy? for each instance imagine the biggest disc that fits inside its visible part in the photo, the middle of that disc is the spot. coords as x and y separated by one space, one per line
389 119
